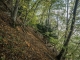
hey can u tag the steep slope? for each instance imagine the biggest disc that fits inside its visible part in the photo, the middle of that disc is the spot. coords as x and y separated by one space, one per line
21 44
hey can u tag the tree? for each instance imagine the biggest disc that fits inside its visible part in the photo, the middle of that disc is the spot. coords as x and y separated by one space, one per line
70 33
14 12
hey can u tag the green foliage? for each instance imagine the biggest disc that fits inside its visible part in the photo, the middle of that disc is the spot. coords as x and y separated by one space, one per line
77 37
53 40
43 29
47 31
32 18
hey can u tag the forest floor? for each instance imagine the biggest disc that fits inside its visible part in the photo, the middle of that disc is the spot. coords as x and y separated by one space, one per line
21 44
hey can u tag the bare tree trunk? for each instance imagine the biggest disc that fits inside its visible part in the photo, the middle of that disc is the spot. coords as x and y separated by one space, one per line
14 12
70 33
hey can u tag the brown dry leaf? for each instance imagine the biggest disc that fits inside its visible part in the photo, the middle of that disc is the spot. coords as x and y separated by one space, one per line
33 49
28 44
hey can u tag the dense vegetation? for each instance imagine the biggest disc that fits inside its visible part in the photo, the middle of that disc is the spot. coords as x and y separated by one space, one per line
58 20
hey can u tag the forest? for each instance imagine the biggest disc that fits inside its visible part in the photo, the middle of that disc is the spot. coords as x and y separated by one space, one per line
39 30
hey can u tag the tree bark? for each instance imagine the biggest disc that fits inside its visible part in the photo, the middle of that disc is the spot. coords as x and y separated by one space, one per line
14 12
70 33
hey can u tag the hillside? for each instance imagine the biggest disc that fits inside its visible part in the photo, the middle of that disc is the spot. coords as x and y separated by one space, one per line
21 44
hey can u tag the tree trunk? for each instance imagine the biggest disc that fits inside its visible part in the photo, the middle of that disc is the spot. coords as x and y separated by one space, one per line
14 12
